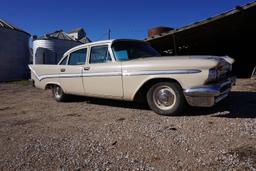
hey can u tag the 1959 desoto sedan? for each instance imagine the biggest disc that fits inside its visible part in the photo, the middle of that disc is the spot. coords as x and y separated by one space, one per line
132 70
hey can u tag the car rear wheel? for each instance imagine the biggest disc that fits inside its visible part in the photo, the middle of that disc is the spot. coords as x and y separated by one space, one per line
166 98
58 94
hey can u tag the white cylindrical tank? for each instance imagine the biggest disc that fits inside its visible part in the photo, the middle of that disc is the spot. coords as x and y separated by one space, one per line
50 51
14 53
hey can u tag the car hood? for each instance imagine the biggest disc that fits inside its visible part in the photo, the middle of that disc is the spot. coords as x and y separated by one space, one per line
180 62
188 58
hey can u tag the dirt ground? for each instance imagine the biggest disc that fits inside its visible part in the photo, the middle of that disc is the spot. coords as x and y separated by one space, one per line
37 133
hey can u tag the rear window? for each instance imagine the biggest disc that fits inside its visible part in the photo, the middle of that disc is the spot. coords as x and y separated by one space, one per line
99 54
129 50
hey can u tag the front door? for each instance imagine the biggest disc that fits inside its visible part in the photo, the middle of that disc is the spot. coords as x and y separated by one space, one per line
101 76
71 73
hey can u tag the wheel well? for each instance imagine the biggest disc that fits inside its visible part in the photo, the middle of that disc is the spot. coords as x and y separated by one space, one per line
140 95
49 86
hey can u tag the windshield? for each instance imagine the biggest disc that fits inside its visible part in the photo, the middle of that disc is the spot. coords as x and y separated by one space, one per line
129 50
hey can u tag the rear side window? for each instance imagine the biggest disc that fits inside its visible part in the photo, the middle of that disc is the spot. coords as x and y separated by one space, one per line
78 57
99 54
64 61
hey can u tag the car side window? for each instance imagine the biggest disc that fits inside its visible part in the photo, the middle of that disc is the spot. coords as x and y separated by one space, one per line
99 54
64 61
78 57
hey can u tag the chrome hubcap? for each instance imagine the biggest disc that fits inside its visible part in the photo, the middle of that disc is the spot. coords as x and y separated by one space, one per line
57 92
164 97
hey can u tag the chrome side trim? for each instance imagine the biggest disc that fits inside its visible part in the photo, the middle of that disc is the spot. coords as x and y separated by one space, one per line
60 76
42 77
101 74
96 74
116 73
161 72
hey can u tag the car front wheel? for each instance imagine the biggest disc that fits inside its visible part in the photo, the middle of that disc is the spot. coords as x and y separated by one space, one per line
166 98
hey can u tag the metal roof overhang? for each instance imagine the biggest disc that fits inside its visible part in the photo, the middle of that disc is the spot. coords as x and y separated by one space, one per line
4 24
230 33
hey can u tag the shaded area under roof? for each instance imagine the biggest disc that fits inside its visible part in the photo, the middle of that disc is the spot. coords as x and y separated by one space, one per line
231 33
238 9
5 24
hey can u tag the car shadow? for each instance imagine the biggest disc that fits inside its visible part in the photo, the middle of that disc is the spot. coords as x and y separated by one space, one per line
109 102
236 105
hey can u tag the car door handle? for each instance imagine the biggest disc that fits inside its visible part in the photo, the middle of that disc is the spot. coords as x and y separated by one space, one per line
62 70
86 68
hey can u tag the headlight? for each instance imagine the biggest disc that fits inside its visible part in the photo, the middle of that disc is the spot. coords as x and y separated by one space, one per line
212 75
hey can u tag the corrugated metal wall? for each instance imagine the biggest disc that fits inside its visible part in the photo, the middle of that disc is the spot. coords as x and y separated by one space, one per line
14 55
51 51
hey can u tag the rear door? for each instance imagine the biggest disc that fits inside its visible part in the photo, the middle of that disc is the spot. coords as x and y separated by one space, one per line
71 72
102 76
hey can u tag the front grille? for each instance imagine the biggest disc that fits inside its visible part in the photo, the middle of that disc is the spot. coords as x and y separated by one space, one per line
221 78
224 70
225 75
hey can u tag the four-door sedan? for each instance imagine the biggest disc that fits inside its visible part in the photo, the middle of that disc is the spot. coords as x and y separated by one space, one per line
132 70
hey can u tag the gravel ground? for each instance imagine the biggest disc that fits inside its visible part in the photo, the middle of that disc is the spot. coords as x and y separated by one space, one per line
38 133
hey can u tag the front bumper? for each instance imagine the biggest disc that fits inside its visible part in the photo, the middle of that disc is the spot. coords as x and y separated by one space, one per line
209 95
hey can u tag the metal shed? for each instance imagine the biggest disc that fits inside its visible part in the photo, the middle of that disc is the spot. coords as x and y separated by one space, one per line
49 48
14 52
231 33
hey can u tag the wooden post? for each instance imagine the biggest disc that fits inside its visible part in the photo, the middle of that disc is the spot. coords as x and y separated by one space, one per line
174 45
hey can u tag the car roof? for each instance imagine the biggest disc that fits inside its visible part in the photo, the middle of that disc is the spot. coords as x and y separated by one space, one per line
99 42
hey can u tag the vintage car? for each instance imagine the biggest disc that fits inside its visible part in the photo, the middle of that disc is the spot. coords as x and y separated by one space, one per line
132 70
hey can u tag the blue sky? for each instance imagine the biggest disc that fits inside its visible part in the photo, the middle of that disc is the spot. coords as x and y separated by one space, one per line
126 19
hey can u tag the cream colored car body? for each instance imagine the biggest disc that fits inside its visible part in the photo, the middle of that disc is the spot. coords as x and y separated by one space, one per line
123 80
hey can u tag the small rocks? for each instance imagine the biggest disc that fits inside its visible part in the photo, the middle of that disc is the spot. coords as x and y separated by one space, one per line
114 143
2 108
89 136
172 129
210 122
73 115
120 119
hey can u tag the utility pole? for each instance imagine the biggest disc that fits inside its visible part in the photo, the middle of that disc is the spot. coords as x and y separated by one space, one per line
109 34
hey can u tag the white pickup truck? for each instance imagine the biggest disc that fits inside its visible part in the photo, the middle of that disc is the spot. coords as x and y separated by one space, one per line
132 70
